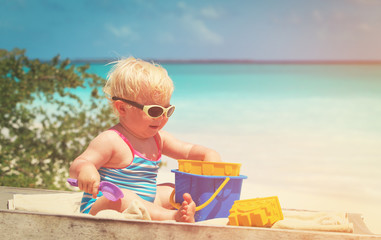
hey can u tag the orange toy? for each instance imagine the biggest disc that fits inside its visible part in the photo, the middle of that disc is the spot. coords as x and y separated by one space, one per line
256 212
209 168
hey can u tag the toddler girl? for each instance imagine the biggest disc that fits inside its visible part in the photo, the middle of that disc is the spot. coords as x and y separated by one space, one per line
129 153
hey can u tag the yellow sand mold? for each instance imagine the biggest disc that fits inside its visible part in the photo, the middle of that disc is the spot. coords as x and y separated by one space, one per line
256 212
209 168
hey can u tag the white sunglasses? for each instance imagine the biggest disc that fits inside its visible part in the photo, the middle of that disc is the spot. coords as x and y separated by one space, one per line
154 111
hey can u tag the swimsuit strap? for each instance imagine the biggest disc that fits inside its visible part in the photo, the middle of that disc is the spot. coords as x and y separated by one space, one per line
157 141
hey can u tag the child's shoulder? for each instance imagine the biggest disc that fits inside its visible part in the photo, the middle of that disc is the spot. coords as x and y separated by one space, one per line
161 135
166 137
107 136
164 134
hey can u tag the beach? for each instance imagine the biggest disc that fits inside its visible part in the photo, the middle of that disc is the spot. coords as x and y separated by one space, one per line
309 134
307 167
311 138
291 90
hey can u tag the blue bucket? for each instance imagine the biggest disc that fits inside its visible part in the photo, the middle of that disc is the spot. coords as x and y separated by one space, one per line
203 187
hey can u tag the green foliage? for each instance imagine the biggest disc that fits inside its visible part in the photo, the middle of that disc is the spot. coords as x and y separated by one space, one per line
44 123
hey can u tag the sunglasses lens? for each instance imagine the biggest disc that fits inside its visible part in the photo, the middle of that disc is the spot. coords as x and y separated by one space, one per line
170 111
155 111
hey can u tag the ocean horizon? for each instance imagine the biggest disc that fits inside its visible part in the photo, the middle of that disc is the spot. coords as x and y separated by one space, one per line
307 133
233 61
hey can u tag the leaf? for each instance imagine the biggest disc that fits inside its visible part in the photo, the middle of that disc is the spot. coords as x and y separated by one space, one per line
43 119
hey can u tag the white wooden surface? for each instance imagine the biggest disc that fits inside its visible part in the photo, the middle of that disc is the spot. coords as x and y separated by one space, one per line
27 225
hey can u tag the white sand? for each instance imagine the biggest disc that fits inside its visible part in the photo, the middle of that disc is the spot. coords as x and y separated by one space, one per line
314 154
317 174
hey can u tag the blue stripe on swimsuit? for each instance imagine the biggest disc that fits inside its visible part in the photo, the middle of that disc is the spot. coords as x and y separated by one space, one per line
138 177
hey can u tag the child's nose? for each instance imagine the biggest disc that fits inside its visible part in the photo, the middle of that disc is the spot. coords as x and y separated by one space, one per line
159 119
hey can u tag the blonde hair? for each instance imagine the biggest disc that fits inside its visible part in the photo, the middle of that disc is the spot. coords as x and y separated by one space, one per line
131 78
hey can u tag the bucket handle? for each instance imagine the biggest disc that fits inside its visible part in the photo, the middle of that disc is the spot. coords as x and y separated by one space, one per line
178 205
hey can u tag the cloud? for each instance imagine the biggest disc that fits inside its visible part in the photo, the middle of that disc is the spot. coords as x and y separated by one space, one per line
182 5
122 31
193 22
201 31
210 12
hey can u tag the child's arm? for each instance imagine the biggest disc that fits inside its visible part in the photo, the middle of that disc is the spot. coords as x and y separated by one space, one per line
85 167
177 149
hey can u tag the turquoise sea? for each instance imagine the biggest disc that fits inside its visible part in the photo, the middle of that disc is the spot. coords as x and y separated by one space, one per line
309 134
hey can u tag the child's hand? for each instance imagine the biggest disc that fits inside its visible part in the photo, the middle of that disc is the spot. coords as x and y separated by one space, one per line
88 181
89 185
212 156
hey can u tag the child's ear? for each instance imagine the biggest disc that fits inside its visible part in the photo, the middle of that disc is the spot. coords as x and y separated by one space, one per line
120 107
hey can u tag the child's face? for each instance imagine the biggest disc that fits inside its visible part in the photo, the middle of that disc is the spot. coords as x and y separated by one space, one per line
139 123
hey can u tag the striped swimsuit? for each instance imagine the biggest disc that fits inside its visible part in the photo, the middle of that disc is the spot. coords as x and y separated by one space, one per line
139 177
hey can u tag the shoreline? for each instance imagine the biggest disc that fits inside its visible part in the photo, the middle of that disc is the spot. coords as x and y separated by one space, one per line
238 61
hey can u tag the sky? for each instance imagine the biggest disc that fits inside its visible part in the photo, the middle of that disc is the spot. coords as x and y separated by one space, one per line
196 29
